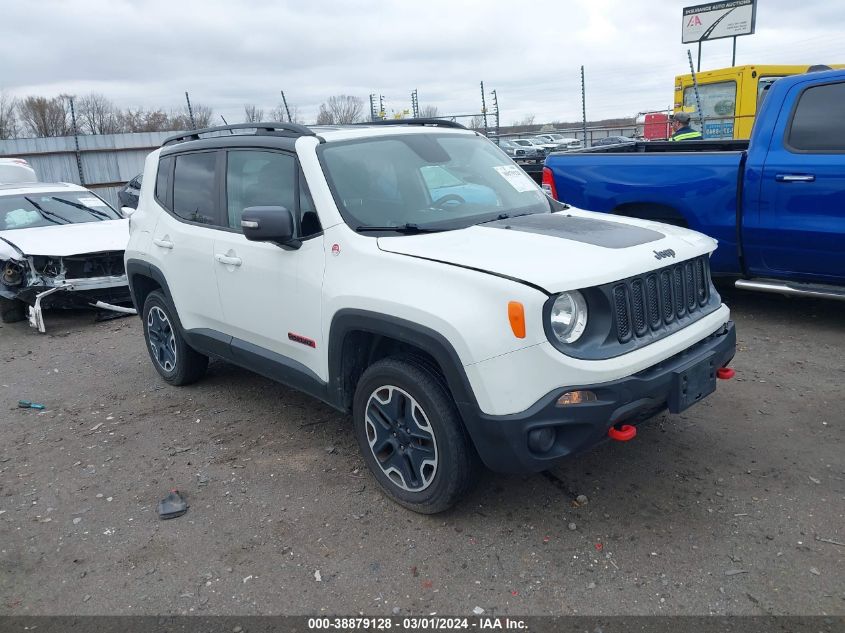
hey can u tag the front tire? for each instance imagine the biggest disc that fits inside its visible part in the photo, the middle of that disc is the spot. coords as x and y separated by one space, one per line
174 360
412 437
12 310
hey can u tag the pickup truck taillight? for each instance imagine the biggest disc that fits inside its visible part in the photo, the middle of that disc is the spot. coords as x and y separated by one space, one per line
549 183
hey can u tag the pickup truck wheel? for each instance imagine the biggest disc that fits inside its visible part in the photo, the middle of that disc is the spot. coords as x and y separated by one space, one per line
12 310
412 437
173 359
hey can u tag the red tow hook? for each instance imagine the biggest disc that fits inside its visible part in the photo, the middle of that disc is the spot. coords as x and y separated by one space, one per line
623 433
725 373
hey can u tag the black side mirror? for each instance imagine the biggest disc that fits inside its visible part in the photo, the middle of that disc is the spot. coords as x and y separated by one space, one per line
270 224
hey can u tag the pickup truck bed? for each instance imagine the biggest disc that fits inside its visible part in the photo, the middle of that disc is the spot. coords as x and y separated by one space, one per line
775 203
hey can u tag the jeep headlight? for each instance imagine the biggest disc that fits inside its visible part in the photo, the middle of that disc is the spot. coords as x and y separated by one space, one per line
568 318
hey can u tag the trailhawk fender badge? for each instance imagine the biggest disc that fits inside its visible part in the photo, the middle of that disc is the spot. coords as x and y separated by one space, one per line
664 254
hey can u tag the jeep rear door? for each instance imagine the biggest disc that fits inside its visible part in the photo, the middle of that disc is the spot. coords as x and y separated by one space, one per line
183 238
802 191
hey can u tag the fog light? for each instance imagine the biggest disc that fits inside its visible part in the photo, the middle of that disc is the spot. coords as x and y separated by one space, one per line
541 440
576 397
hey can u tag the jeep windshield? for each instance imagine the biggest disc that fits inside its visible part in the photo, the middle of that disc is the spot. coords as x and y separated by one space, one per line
51 208
427 181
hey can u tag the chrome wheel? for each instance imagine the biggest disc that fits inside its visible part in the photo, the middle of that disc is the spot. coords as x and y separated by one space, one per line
162 339
401 438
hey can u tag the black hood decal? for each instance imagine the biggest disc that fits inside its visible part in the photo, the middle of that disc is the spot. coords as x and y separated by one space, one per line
603 233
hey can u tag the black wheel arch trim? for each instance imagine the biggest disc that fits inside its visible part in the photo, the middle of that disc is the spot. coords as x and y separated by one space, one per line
432 342
139 268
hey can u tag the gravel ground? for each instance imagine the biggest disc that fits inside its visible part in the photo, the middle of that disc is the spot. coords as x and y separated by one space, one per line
735 507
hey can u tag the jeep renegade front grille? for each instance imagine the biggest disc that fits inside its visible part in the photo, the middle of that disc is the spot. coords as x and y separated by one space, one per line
650 302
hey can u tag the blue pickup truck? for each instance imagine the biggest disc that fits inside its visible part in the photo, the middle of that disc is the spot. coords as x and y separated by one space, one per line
775 203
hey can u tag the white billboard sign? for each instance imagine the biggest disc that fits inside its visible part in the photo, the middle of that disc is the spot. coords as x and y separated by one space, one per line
716 20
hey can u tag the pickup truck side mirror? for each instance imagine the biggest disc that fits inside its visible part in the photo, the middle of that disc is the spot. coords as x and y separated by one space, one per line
270 224
126 211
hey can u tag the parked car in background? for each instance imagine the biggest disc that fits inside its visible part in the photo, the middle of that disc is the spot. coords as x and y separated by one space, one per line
612 140
13 170
128 194
520 152
527 142
561 142
60 246
776 203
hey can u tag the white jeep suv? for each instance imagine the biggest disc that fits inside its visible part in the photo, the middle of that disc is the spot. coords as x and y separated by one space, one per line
410 274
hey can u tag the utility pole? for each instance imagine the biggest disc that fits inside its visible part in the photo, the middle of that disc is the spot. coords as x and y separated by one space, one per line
484 109
583 108
285 102
415 104
496 110
190 111
695 89
76 141
372 107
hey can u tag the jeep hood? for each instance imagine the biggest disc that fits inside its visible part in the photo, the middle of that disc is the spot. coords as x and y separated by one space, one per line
63 240
560 251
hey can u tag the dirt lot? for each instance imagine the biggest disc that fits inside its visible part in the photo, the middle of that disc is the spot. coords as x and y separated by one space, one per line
728 509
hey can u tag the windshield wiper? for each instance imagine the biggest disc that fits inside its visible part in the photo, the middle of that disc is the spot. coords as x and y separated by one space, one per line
402 228
504 216
46 214
79 205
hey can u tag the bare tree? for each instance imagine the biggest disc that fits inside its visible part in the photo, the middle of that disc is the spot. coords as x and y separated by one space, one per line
44 117
325 116
429 112
344 109
203 115
8 116
97 115
252 113
476 122
279 114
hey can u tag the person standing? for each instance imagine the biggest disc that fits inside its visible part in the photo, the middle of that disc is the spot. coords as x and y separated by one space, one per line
681 130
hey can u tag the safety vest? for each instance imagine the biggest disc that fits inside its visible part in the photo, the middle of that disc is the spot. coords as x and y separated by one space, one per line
692 135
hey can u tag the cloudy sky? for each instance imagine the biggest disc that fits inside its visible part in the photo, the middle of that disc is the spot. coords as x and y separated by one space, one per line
148 52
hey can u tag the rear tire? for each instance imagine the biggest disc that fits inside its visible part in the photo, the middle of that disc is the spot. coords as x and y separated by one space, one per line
174 360
412 436
12 310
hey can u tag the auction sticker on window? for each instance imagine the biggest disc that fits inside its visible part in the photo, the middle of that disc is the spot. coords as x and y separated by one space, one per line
92 202
517 178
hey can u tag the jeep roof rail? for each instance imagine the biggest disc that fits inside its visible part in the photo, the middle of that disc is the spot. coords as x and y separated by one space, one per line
295 129
432 122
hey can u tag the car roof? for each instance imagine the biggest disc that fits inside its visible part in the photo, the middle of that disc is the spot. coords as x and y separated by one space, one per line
18 188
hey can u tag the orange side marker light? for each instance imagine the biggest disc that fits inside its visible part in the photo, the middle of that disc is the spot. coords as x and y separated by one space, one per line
516 315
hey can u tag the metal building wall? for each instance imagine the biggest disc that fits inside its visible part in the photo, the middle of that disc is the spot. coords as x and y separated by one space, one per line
108 160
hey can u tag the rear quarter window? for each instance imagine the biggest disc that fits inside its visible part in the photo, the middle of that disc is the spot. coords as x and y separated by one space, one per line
818 123
163 189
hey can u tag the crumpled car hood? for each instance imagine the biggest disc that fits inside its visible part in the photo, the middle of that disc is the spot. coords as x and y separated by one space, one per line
567 250
69 239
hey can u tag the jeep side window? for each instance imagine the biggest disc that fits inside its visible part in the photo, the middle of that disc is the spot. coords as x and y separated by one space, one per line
163 189
194 191
309 222
259 179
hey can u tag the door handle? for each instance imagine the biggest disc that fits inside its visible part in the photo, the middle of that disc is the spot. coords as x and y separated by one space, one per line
795 177
162 243
226 259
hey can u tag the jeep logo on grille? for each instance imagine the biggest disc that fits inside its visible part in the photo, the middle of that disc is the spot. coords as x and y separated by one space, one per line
664 254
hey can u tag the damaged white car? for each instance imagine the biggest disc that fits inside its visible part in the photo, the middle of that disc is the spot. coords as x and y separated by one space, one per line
60 246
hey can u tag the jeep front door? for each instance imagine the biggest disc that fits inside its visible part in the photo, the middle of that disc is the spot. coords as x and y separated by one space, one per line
270 295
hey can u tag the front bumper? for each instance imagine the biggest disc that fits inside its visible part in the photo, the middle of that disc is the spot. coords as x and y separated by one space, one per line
502 441
88 292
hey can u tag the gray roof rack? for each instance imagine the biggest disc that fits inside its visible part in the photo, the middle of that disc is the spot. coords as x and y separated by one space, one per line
284 129
431 122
